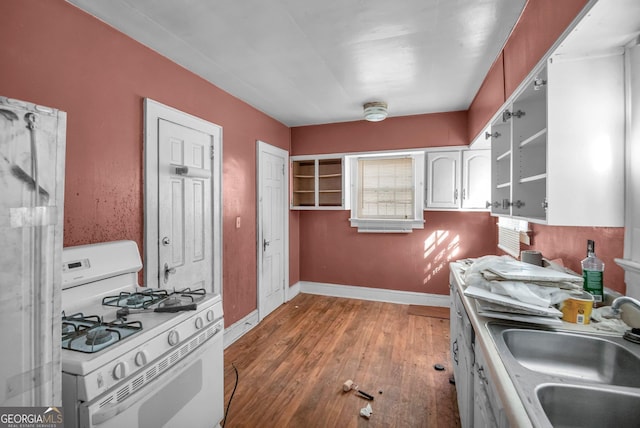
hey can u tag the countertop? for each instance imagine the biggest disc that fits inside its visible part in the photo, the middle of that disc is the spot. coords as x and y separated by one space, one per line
513 406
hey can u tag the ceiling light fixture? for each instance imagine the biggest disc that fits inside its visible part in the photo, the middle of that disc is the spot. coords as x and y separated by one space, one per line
375 111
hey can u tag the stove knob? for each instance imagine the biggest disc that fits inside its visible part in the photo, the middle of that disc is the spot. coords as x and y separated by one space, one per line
210 315
174 338
141 358
199 323
120 370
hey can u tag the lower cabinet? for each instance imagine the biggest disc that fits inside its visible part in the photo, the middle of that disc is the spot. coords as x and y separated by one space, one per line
461 338
488 411
479 405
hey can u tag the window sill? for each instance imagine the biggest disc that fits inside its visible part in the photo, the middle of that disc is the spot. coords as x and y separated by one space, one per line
386 226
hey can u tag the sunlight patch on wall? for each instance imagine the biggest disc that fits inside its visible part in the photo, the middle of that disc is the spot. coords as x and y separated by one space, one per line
440 248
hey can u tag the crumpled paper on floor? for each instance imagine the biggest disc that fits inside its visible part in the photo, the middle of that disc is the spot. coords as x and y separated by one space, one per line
366 411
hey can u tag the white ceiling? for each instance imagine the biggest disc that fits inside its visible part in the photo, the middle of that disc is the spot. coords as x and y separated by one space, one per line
308 62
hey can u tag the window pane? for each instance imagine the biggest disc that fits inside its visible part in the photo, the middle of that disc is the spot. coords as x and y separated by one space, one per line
386 188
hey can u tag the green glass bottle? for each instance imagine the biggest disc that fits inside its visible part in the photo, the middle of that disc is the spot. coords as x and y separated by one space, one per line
592 274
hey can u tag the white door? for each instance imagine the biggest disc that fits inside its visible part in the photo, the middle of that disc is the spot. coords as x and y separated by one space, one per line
272 227
184 217
183 245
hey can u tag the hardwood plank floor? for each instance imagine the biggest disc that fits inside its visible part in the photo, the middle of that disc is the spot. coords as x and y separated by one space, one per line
293 364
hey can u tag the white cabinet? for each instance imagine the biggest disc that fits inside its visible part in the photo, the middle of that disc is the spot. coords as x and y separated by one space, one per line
488 411
457 179
461 341
476 179
317 182
443 179
557 150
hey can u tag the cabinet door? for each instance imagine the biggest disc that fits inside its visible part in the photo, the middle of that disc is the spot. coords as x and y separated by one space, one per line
476 178
462 359
488 411
443 180
529 140
500 167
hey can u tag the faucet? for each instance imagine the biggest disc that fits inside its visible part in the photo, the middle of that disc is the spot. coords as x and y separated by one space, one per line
619 301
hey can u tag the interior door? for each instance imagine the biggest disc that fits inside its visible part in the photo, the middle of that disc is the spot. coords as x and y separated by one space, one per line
272 221
184 218
183 200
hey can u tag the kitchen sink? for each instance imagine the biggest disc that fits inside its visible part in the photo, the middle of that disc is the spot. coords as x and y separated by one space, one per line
571 379
579 406
588 358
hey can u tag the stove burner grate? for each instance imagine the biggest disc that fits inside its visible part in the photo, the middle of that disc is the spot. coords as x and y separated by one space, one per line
90 334
137 300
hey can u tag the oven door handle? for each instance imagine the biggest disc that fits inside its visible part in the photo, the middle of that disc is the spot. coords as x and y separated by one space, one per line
111 410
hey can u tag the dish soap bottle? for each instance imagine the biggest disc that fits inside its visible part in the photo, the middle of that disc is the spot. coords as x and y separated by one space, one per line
592 273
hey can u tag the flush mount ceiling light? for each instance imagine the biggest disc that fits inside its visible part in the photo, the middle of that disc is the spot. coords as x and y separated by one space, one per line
375 111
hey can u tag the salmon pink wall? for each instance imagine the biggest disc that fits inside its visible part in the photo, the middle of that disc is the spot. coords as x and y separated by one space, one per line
331 251
56 55
488 100
570 245
539 26
440 129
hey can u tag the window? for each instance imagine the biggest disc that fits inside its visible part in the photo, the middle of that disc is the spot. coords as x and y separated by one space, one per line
387 192
510 233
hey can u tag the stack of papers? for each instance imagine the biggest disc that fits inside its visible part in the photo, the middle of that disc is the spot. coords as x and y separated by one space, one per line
491 303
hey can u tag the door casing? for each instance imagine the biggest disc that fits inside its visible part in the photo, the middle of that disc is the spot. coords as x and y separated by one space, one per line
153 112
261 147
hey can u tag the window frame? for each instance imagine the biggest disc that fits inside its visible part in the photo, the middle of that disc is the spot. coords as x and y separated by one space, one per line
388 225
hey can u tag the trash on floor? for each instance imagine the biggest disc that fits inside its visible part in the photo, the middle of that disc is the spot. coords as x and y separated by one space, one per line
366 411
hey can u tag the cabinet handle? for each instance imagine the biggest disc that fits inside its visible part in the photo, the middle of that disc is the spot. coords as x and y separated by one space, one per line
454 351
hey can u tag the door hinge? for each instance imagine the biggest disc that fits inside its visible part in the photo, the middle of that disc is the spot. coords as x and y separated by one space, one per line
211 151
283 170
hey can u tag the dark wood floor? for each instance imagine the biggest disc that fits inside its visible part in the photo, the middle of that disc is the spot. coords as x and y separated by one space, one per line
293 364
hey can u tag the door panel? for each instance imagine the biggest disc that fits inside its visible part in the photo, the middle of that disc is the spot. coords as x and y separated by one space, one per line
272 262
184 218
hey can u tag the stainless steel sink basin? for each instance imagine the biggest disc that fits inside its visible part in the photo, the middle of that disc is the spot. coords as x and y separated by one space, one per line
571 379
581 407
588 358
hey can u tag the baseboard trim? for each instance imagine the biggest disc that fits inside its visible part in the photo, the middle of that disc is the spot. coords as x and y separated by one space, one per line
240 328
292 291
375 294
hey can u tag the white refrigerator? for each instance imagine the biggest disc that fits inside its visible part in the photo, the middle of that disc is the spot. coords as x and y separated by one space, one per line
32 159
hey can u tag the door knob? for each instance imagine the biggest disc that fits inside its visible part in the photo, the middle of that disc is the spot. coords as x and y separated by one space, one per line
166 241
168 271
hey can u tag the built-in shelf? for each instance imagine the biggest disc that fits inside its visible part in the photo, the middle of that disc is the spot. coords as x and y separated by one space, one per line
317 182
535 138
533 178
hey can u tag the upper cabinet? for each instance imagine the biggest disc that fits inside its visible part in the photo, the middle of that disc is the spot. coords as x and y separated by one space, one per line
317 182
457 179
558 147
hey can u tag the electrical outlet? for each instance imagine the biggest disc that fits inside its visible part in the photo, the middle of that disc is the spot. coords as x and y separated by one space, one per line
238 222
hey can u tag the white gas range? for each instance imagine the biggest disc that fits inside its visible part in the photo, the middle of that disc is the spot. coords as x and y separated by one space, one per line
134 356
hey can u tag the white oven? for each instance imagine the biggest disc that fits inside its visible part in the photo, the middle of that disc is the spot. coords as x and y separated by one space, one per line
136 357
